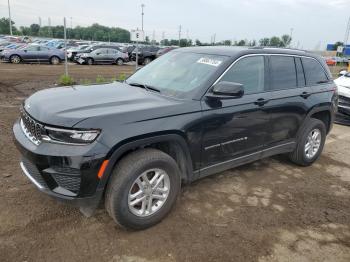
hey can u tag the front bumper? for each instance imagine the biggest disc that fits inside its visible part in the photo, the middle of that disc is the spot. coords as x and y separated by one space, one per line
343 114
65 172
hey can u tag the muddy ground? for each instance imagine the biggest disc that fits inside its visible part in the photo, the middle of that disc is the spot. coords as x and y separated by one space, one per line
270 210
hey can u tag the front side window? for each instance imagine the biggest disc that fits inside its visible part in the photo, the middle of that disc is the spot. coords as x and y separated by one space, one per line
283 73
178 74
250 72
314 72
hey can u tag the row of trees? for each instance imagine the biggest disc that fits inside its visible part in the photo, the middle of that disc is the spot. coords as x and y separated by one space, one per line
94 32
275 41
115 34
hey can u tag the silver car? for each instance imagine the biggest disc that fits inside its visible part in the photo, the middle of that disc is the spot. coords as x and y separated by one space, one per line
103 56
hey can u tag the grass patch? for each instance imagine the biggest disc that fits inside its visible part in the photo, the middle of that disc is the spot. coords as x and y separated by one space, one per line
66 80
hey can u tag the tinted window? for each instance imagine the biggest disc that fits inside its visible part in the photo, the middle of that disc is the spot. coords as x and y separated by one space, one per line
300 72
248 71
32 48
314 72
283 74
42 48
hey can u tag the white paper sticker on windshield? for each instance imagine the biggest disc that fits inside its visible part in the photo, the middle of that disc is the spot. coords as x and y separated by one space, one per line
209 61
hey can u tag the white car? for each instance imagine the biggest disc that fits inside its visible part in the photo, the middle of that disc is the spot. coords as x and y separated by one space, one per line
343 83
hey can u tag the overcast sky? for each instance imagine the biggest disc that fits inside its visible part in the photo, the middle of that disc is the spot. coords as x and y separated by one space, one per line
314 22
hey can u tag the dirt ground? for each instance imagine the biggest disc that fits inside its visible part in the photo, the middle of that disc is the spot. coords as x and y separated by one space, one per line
270 210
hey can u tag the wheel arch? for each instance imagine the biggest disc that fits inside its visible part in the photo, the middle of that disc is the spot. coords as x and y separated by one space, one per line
322 113
174 144
20 57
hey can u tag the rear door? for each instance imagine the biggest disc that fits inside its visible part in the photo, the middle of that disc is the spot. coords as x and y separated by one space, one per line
288 105
44 53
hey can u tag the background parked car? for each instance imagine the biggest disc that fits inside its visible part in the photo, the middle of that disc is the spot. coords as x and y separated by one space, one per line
129 49
104 56
34 53
146 54
343 84
76 54
165 50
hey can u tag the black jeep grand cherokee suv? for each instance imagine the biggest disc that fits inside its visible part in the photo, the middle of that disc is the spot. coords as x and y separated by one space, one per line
191 113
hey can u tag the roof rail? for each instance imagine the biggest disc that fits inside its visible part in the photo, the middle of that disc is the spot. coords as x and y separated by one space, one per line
274 47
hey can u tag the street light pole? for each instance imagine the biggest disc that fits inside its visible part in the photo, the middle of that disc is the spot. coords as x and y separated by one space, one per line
8 3
65 47
291 36
142 7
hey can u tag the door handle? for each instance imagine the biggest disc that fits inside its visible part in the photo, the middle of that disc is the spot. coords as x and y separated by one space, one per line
305 95
261 102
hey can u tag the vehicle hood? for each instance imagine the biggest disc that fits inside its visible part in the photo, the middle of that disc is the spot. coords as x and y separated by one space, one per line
343 84
67 106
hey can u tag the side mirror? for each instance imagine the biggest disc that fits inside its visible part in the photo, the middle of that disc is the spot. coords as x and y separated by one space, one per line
227 90
342 73
26 51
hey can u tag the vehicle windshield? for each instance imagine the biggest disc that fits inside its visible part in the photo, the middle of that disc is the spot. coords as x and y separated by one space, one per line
178 74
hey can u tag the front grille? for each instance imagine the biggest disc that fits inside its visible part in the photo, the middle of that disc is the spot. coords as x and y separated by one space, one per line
34 172
31 128
344 101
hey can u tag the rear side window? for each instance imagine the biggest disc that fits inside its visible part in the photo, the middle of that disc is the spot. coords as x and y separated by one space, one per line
250 72
283 72
314 72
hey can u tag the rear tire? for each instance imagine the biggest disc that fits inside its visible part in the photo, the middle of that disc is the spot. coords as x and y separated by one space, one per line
147 60
308 149
15 59
54 60
128 180
119 62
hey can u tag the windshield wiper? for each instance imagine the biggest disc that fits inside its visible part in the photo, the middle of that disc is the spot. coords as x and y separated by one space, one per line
147 87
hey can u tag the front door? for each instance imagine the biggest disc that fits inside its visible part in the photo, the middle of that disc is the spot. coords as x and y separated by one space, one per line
234 130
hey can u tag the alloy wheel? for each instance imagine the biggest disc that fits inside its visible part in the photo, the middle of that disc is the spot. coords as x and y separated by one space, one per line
15 59
149 192
313 143
55 61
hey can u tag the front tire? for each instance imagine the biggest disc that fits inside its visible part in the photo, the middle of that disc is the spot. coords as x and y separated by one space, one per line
147 60
143 189
90 61
310 143
15 59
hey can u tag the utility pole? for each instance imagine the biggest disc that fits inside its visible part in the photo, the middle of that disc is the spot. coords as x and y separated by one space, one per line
39 21
65 48
49 22
291 36
347 31
179 34
142 7
214 38
188 40
8 3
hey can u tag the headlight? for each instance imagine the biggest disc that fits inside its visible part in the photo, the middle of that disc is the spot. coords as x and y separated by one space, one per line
67 136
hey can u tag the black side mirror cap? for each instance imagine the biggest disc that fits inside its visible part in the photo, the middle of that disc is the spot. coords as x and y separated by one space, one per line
226 90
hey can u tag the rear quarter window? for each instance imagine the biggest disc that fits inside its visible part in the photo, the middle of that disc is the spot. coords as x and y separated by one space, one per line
314 72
